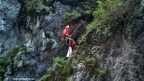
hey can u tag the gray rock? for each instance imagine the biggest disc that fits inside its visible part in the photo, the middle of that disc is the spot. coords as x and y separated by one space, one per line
8 78
9 12
20 64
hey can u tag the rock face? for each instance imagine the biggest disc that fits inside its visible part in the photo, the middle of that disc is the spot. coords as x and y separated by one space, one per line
9 10
122 61
40 35
9 13
120 57
31 45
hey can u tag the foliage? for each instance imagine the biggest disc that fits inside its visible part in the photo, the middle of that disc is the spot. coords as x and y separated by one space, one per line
70 16
86 7
105 14
13 51
59 61
39 6
15 54
58 68
3 64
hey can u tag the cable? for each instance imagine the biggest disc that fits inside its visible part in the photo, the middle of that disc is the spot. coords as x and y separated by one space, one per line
81 24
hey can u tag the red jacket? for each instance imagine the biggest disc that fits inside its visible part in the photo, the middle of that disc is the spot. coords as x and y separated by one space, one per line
65 33
72 43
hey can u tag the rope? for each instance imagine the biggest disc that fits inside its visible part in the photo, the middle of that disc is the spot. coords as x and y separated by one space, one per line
72 33
80 24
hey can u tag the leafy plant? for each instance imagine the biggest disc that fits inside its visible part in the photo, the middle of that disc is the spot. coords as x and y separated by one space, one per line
39 6
58 68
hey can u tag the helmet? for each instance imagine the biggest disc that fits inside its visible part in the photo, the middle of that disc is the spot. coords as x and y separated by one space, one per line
67 26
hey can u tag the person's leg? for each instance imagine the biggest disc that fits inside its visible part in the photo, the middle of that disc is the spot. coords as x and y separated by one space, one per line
66 40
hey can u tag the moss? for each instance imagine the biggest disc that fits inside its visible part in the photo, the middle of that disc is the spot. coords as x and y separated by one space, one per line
100 72
88 60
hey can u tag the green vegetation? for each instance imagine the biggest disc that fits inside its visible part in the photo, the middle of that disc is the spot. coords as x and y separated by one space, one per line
15 54
100 71
81 9
107 17
39 6
70 16
12 52
3 65
13 59
86 7
58 69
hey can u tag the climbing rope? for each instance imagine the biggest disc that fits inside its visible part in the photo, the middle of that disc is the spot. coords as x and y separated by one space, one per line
80 25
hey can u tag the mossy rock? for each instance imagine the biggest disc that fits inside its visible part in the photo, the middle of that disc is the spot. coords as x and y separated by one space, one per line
88 60
100 71
91 60
58 68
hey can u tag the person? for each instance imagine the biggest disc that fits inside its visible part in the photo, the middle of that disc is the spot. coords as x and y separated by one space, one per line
65 33
69 41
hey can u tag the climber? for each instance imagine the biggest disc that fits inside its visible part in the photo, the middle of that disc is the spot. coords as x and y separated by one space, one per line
65 33
69 41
